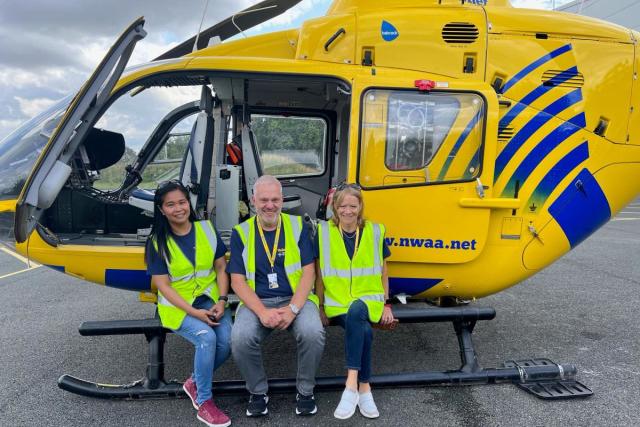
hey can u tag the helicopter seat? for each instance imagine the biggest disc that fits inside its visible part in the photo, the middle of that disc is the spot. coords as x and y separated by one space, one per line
193 166
142 199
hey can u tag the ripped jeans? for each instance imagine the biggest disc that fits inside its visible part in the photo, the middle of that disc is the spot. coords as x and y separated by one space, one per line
212 346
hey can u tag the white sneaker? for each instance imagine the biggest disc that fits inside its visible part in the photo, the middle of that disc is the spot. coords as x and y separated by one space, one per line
367 406
347 406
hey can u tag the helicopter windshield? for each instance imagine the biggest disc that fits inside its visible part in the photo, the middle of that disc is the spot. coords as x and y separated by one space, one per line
19 150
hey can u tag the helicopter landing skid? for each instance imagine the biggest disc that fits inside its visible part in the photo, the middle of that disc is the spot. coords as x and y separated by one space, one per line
540 377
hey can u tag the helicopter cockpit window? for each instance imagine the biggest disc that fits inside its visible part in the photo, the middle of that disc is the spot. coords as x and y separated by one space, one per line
136 117
414 137
290 146
20 150
166 165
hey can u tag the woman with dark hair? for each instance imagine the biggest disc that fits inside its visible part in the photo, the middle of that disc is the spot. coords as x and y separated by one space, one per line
185 258
352 285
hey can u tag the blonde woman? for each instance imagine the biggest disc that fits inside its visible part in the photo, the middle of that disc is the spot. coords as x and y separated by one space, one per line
353 286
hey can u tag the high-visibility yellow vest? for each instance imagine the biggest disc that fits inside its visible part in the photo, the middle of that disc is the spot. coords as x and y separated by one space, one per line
187 280
347 280
292 228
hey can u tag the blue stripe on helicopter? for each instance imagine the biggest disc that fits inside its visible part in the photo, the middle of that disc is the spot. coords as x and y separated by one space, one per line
581 208
473 163
410 286
533 125
59 268
134 280
538 153
457 145
535 64
557 173
535 94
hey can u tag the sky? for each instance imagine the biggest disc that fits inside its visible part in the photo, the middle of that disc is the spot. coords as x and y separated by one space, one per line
49 48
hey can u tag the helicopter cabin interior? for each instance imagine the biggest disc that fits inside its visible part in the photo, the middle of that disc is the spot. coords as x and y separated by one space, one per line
232 129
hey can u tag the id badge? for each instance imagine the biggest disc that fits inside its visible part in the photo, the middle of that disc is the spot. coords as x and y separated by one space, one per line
273 280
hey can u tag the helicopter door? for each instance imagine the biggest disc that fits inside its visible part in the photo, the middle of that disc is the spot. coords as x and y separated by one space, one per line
196 168
422 172
52 170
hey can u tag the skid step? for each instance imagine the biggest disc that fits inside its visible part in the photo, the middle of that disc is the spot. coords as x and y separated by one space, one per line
561 389
565 387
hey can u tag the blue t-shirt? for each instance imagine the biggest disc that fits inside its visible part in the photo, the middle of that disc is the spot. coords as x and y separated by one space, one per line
236 264
187 244
349 240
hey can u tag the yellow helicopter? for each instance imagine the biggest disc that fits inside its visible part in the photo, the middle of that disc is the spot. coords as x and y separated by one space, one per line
489 140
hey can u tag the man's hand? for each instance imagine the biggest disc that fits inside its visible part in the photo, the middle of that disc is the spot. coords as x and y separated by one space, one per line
270 318
286 316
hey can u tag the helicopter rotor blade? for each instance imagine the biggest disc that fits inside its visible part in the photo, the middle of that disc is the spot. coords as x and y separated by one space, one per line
241 21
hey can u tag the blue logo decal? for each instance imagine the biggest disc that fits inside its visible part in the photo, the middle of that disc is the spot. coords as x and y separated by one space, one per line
388 31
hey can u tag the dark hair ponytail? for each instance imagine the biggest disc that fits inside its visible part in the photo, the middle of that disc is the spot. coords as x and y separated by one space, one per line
161 229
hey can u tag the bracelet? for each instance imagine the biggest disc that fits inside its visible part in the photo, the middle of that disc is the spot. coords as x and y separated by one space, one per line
224 298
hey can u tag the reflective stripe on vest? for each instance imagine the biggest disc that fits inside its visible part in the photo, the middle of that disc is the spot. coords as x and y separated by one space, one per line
359 278
292 228
200 279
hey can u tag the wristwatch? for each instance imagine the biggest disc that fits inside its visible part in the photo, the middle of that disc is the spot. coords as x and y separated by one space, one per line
294 309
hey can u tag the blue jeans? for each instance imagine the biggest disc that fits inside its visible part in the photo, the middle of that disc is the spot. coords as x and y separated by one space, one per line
358 337
212 345
248 334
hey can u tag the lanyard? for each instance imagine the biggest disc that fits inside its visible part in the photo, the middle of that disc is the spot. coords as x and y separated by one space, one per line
271 255
355 248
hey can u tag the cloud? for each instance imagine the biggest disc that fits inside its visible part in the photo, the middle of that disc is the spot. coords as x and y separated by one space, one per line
32 107
50 48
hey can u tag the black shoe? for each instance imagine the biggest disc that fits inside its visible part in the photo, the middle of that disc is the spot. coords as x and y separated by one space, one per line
257 406
305 405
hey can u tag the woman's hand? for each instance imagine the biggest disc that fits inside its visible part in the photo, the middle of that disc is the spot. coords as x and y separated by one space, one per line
218 309
205 316
387 315
323 317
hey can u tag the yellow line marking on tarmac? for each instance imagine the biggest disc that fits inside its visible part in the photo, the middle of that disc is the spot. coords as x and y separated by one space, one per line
19 271
19 257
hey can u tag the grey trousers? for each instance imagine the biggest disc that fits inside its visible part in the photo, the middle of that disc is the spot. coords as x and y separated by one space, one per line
248 333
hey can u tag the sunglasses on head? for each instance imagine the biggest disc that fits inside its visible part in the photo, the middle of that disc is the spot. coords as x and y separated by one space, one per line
173 182
344 185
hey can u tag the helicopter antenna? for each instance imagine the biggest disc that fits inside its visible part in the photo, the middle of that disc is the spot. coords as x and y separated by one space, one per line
244 12
204 12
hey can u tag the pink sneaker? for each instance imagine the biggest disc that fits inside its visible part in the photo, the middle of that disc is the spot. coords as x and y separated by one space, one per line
212 416
190 388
